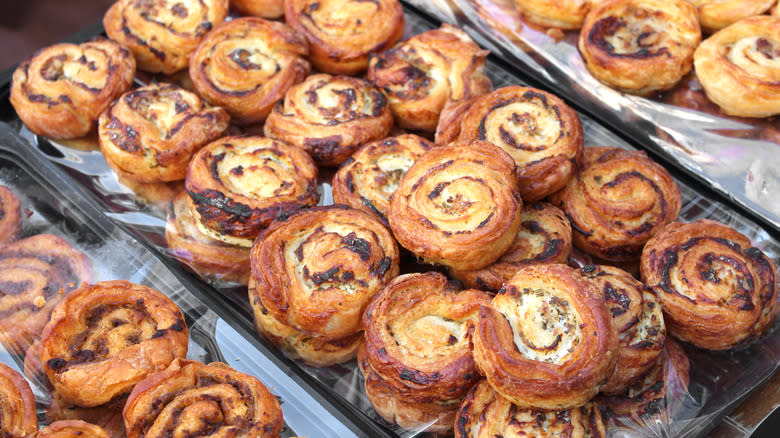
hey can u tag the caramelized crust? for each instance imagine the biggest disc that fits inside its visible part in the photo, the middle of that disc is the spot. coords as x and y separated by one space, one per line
61 90
71 429
259 8
717 14
563 14
246 65
108 416
17 405
342 34
104 338
717 290
10 215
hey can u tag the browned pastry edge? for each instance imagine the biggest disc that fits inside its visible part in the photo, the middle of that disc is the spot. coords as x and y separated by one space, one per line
71 429
10 215
259 8
17 405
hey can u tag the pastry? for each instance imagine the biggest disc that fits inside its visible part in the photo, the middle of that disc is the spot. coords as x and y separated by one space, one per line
330 117
546 341
458 205
259 8
10 215
640 46
246 65
342 33
162 34
71 429
716 289
61 90
103 339
108 416
149 134
717 14
563 14
617 201
17 405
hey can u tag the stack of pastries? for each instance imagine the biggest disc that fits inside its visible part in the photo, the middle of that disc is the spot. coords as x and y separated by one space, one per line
493 187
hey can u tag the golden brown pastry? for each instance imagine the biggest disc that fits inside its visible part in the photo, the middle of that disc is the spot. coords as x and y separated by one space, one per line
71 429
417 349
546 341
35 273
212 400
485 414
458 205
10 215
640 46
108 416
104 338
342 33
739 67
544 237
617 201
420 75
541 133
330 117
162 34
259 8
246 65
371 175
61 90
149 134
17 405
563 14
717 14
239 185
717 290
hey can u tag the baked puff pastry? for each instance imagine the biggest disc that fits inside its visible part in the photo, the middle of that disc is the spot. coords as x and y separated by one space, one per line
422 74
71 429
417 346
486 414
17 404
61 90
617 201
739 67
563 14
717 290
102 339
330 117
162 34
191 396
259 8
246 65
458 205
342 33
149 134
369 178
546 341
239 185
10 215
717 14
640 46
541 133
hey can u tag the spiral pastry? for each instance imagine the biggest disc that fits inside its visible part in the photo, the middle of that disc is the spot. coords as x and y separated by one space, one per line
61 90
485 414
739 67
149 134
544 237
546 341
34 275
71 429
10 215
259 8
566 14
638 319
162 34
246 65
194 399
640 46
420 75
541 133
104 338
108 417
342 34
17 405
617 201
717 290
330 117
371 175
458 205
717 14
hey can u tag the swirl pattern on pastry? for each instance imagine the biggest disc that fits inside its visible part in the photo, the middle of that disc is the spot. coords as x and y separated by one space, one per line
458 205
61 90
640 46
104 338
544 237
739 67
420 75
17 405
149 134
342 34
717 14
10 215
369 178
259 8
194 399
617 201
563 14
162 34
71 429
246 65
717 290
35 273
541 133
546 341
